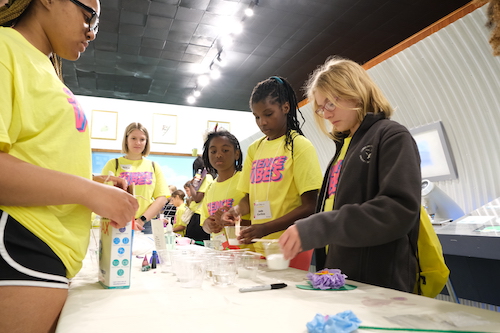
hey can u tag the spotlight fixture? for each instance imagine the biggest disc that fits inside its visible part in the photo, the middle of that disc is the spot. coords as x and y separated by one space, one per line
223 40
203 80
215 74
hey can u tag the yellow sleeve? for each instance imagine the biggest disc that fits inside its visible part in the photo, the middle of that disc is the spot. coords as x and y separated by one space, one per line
6 100
306 170
110 166
161 188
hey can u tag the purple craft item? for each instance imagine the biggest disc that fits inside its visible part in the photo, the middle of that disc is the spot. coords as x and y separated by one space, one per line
327 279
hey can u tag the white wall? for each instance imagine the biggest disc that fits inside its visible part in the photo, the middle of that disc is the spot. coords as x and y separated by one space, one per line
453 77
191 122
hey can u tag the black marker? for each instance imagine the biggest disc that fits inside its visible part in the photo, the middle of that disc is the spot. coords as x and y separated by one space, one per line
263 287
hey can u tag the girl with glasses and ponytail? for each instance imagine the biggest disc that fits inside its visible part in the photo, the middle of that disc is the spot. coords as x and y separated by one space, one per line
281 174
47 193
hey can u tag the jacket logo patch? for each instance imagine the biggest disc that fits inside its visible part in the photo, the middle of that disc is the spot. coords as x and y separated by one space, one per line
366 153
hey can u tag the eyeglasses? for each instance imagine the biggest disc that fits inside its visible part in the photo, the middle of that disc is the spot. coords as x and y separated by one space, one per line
330 107
93 22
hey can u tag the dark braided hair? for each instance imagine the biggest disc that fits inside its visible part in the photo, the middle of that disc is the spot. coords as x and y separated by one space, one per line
277 90
238 164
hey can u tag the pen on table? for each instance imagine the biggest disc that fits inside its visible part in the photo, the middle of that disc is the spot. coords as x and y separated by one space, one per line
263 287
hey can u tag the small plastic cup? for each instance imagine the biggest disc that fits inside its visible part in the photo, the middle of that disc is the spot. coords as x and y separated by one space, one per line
192 271
224 270
248 264
232 234
213 244
165 261
274 256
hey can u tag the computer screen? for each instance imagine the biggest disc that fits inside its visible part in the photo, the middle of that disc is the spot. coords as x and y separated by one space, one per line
436 158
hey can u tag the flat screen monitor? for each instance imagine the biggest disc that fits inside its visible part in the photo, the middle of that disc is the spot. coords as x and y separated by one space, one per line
436 158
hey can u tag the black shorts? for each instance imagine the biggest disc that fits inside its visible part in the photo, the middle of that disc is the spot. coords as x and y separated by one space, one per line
25 260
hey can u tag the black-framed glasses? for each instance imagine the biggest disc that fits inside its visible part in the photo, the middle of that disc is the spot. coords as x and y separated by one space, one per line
93 22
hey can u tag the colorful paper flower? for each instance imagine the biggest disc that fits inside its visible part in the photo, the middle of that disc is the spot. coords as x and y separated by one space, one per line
327 279
343 322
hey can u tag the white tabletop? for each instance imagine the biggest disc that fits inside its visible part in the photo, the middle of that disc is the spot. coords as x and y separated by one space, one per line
156 303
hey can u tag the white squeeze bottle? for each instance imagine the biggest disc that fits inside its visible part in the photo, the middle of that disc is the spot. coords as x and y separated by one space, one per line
170 237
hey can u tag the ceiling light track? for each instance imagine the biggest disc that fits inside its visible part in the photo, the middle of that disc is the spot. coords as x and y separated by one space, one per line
214 69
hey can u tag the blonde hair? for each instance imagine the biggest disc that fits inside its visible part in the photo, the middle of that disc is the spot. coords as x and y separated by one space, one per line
345 79
11 12
130 128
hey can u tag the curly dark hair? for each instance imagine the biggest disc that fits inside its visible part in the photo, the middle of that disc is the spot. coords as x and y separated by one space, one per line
238 164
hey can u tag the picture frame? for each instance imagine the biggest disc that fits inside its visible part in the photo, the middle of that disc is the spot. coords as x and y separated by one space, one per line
104 125
164 128
221 125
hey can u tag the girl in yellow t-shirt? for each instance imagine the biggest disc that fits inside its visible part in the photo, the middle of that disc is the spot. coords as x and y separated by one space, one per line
281 175
177 199
150 186
47 194
221 154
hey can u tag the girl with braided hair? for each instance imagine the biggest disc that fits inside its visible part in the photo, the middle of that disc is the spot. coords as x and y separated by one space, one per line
47 194
281 175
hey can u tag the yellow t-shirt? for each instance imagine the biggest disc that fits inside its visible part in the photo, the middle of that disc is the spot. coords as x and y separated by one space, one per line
42 123
140 173
334 176
221 194
178 219
270 173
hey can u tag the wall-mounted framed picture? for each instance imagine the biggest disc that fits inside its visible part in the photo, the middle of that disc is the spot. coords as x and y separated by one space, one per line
104 125
164 128
220 125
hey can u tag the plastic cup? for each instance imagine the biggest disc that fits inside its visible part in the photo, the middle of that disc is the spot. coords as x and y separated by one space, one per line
274 256
191 271
165 261
232 234
213 244
224 270
248 265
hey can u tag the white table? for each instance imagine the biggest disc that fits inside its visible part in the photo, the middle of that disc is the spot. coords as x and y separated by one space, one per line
156 303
